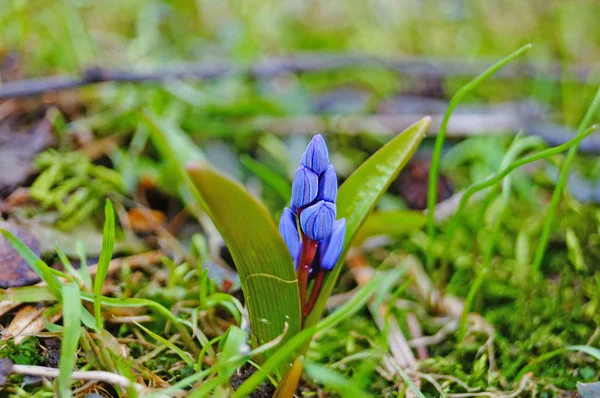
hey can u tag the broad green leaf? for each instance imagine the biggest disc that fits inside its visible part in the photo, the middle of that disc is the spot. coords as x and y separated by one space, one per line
70 338
390 223
263 262
361 191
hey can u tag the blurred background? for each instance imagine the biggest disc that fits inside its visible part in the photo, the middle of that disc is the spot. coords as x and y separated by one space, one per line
248 82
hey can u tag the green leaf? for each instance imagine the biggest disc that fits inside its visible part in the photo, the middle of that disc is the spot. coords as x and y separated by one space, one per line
70 337
108 244
390 223
263 262
361 191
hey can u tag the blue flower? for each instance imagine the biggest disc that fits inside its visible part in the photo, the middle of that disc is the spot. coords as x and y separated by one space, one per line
316 220
288 229
328 185
331 247
304 187
316 155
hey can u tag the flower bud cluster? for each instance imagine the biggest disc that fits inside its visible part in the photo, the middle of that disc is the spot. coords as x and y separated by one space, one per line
313 209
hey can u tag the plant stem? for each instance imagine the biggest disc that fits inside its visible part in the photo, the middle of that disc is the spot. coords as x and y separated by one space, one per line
309 249
314 294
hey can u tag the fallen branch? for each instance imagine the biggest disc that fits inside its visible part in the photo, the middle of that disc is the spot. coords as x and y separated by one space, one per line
413 67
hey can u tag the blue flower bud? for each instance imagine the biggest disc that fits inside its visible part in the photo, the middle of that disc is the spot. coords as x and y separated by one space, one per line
316 156
289 232
304 187
331 247
328 185
316 220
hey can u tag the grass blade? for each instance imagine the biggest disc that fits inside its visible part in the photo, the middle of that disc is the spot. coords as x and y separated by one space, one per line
108 244
560 184
496 178
591 351
439 142
70 337
83 267
182 354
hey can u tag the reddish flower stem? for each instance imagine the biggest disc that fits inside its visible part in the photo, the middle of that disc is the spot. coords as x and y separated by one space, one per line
314 294
309 249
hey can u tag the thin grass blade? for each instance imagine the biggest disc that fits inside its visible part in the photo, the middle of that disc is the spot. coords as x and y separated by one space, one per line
439 142
108 244
70 337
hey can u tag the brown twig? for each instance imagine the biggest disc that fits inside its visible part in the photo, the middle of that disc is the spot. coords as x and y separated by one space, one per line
413 67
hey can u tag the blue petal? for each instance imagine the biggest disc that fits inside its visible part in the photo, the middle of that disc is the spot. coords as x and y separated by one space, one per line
316 220
331 247
304 187
328 185
289 232
297 256
316 156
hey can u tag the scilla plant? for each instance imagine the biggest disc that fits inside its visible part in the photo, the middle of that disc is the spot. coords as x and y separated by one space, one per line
316 246
287 277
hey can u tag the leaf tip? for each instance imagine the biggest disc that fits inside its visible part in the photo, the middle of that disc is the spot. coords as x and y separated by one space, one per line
194 167
426 122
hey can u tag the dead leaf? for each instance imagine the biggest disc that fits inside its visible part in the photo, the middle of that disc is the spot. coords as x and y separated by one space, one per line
14 271
5 369
589 390
18 147
23 318
145 220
